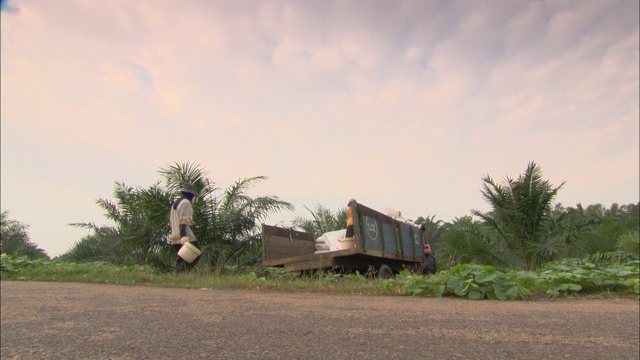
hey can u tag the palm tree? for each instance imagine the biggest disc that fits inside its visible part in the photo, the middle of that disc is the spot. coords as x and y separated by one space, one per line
629 242
139 234
14 239
523 220
103 244
433 230
469 241
226 225
323 220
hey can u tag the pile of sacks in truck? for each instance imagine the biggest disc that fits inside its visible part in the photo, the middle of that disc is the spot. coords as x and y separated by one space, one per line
335 240
330 241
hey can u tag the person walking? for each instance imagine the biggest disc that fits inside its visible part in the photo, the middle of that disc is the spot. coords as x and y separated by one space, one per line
181 221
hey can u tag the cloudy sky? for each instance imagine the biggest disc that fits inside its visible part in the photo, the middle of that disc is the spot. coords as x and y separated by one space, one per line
399 104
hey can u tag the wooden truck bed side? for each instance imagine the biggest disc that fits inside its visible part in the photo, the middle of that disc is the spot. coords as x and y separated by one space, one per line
313 261
281 243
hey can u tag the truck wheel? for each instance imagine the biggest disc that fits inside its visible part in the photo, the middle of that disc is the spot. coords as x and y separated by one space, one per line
385 272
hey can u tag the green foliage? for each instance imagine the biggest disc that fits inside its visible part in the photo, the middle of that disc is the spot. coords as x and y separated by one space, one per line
226 223
467 241
617 257
271 273
14 239
356 276
138 235
608 225
524 229
573 232
606 273
629 242
15 265
522 219
475 282
22 268
611 273
434 230
104 244
323 220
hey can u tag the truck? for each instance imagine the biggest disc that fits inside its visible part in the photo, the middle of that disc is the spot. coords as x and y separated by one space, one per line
380 244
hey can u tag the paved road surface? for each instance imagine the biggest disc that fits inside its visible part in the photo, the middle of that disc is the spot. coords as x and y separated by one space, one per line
91 321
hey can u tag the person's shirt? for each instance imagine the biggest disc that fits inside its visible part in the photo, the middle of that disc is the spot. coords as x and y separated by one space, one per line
182 214
429 266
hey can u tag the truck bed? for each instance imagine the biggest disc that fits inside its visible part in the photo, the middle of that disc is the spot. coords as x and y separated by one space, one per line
379 240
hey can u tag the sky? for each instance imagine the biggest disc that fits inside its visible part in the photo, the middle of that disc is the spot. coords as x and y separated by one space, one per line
401 105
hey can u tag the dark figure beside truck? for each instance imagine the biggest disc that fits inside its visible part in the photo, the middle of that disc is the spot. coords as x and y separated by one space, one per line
429 265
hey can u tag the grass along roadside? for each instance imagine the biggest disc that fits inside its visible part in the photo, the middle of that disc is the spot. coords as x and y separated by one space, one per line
258 278
571 277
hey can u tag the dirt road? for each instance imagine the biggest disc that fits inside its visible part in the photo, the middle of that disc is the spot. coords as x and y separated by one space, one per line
92 321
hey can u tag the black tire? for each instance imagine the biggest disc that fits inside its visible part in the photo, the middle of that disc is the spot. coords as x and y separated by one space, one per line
385 272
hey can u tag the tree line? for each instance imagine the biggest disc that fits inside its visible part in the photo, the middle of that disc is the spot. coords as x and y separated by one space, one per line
523 229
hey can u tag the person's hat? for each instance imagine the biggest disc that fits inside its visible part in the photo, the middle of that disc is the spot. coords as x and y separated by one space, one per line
189 188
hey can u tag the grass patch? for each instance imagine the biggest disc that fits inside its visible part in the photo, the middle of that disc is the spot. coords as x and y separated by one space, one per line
568 278
258 278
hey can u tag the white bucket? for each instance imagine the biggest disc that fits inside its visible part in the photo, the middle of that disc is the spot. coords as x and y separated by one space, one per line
347 243
188 252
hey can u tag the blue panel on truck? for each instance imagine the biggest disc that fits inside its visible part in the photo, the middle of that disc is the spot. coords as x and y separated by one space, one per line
389 232
417 243
407 240
372 235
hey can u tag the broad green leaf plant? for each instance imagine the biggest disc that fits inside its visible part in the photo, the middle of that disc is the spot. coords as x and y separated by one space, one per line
617 272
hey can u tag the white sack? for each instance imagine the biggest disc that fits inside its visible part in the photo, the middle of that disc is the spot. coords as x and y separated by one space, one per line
332 239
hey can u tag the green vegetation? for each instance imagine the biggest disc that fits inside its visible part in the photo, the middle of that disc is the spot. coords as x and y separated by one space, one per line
602 273
248 278
525 247
323 220
525 229
629 242
611 273
14 238
227 222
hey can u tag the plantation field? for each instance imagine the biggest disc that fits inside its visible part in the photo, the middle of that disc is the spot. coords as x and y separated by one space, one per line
60 320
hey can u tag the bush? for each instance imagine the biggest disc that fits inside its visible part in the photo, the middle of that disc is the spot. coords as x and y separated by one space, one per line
14 265
611 272
602 272
476 282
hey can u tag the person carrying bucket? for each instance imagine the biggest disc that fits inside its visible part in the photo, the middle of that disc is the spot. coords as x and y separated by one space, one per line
182 238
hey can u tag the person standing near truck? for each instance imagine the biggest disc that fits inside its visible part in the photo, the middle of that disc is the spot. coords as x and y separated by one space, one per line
429 266
350 232
181 220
